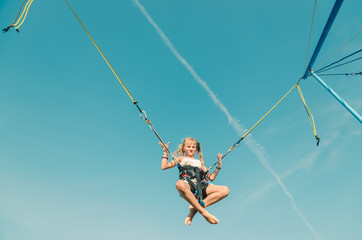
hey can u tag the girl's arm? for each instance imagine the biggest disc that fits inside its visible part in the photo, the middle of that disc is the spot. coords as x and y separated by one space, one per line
212 176
165 164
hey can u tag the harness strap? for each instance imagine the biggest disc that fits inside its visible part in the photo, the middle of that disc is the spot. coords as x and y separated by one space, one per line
199 187
185 173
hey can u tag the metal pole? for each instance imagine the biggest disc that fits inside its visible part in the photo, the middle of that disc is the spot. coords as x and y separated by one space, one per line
323 37
345 104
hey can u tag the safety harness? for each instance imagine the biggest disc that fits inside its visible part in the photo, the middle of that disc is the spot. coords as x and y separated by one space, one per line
189 174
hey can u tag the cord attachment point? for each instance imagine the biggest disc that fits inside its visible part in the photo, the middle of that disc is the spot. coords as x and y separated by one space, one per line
6 29
143 115
318 139
235 145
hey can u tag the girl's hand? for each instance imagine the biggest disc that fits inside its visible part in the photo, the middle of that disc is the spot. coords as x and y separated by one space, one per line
163 147
219 157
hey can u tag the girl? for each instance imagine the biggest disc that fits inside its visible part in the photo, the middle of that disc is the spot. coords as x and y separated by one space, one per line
193 186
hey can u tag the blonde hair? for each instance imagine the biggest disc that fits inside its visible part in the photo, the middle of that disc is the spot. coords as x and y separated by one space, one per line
180 150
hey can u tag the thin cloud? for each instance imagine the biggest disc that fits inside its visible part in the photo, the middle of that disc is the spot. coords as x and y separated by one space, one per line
256 148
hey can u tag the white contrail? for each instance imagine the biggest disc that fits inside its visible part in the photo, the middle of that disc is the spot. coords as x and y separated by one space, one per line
235 123
256 149
251 144
305 163
252 197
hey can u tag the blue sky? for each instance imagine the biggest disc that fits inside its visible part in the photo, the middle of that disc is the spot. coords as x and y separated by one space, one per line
78 163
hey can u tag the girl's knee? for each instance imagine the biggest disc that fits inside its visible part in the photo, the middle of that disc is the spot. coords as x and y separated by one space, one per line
181 185
225 191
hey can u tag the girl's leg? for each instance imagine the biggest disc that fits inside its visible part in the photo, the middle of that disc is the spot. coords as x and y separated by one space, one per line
184 190
190 216
214 194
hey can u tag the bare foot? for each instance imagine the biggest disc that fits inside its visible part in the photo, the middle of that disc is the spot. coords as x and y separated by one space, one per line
191 215
210 218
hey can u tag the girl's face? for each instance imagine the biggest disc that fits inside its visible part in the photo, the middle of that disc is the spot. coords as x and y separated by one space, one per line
189 148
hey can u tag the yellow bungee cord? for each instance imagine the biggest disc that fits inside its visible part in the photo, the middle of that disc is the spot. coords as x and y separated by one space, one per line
20 20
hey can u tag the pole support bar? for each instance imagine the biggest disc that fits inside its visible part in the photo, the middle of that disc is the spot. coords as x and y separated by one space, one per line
339 99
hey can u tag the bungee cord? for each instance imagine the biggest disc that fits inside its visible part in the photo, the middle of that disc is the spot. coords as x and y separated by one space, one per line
10 26
142 113
310 115
26 14
22 17
251 129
